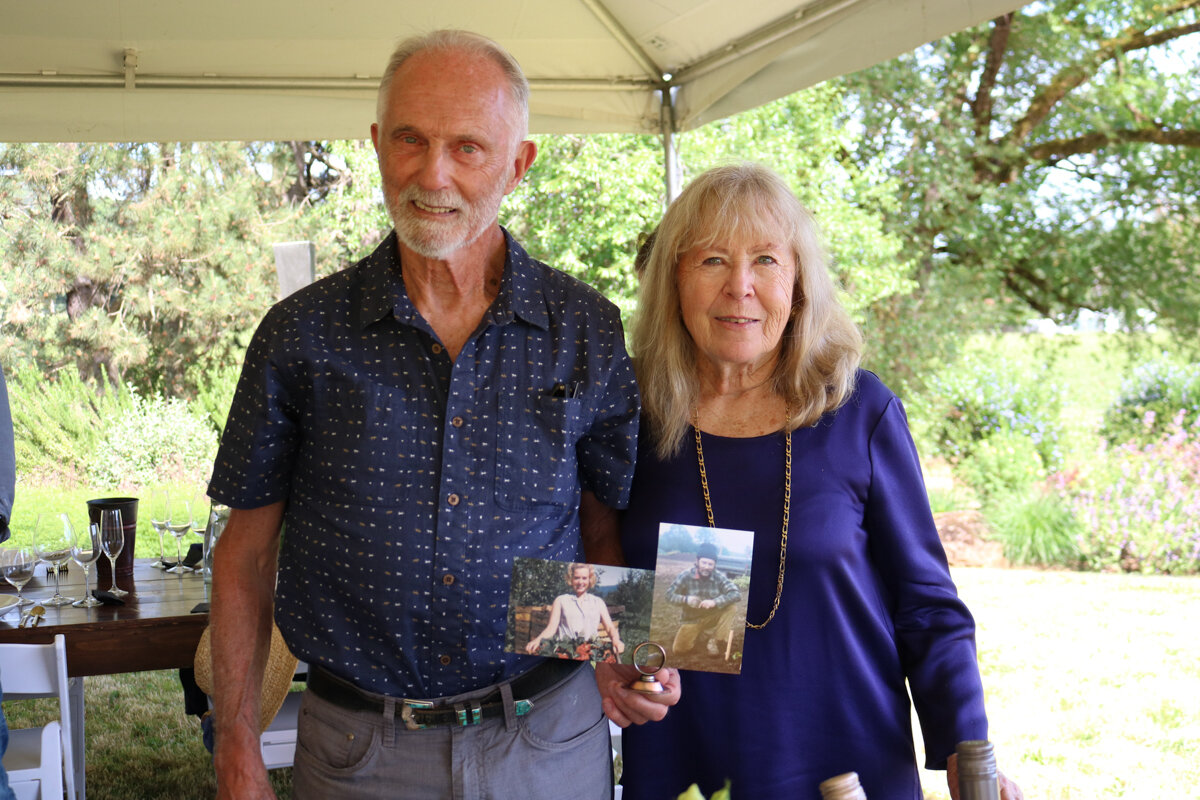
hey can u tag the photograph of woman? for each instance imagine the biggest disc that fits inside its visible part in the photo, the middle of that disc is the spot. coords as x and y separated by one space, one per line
575 619
757 416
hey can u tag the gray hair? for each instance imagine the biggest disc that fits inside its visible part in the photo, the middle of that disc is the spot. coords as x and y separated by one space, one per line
465 41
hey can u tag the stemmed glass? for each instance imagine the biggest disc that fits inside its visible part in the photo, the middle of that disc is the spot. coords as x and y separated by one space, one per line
85 549
179 522
18 563
158 521
52 544
112 539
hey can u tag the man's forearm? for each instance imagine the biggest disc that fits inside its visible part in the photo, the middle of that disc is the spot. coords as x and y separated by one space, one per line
600 529
244 570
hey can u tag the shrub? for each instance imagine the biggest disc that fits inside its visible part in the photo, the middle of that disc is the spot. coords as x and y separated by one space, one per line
58 421
975 403
154 439
1149 401
1004 464
1036 528
1140 505
215 385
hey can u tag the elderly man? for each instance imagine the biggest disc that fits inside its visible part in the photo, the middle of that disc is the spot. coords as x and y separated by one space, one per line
414 423
708 599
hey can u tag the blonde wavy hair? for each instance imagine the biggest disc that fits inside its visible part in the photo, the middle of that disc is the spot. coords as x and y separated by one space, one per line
821 346
592 577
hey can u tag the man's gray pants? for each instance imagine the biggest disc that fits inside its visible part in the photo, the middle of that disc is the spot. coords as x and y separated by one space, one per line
560 748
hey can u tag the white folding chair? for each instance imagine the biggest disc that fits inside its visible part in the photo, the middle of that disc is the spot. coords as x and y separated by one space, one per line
278 742
37 759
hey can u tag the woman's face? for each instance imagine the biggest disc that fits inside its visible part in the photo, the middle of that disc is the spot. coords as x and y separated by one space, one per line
735 297
579 580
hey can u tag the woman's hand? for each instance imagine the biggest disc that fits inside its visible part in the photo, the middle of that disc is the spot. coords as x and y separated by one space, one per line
534 645
1008 789
626 707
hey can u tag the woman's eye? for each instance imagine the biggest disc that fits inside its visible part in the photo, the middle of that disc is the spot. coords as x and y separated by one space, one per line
765 259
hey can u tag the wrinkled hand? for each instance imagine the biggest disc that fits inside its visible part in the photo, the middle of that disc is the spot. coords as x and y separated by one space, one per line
626 707
1008 789
242 776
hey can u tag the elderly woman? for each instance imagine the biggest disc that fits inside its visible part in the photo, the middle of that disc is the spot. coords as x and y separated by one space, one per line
577 616
757 417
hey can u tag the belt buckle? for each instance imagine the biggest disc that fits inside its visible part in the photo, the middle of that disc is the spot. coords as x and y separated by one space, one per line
406 713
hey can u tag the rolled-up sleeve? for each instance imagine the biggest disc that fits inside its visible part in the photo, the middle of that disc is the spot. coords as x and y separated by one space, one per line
254 462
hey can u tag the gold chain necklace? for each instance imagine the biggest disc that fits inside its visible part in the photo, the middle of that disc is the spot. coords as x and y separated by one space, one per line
787 505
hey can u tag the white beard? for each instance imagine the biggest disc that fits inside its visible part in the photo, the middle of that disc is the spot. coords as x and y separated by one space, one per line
439 239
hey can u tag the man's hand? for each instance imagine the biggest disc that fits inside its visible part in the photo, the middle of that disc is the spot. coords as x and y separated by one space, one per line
626 707
708 603
241 774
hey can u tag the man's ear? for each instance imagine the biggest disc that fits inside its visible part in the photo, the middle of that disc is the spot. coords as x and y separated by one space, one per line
522 161
375 136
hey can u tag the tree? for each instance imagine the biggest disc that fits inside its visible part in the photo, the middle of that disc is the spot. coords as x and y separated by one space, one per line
1047 162
151 263
587 200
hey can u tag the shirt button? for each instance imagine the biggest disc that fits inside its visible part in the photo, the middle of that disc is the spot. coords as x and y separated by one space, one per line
453 499
456 422
448 580
445 661
437 348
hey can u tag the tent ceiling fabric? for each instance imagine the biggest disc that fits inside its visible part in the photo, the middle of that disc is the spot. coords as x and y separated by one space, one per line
165 70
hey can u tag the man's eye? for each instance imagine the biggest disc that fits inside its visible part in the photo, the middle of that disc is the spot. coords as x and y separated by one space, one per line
470 148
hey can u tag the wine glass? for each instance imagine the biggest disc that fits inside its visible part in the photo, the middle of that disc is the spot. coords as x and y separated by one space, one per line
158 521
52 545
112 539
17 563
85 549
179 523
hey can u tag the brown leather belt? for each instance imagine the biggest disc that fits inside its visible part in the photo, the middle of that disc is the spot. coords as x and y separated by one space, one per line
418 714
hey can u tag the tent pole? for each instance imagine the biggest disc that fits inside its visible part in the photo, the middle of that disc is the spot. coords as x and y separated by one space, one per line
666 119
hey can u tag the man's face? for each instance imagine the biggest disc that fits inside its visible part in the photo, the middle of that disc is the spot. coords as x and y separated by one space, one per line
449 150
579 580
705 567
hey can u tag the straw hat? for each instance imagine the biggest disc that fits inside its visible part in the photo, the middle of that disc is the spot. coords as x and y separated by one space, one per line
277 677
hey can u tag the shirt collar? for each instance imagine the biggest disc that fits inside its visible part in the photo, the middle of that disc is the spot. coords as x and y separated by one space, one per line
383 291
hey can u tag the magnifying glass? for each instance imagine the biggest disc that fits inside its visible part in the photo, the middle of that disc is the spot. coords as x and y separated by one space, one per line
649 658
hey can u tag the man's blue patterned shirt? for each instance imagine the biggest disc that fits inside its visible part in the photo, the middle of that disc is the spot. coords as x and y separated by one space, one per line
410 481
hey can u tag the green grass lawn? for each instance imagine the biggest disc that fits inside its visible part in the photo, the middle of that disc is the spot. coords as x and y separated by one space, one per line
49 500
1092 680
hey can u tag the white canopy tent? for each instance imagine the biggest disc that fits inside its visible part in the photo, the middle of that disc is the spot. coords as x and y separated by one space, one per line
166 70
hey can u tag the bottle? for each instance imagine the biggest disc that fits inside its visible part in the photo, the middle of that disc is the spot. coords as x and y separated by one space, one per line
977 777
842 787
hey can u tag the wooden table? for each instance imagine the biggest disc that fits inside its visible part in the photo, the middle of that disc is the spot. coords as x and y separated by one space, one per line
155 629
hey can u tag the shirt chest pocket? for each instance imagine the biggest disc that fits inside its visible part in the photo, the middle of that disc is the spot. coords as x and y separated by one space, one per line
535 453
